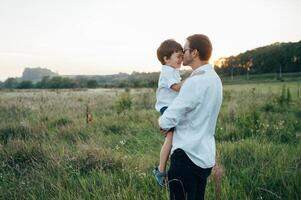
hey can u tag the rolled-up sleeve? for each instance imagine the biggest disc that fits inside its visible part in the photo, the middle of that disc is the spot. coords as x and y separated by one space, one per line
172 79
189 97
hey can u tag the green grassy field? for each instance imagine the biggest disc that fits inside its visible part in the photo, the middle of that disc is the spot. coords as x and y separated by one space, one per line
48 151
263 78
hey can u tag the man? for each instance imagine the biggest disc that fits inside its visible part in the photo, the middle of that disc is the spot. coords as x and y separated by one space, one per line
194 114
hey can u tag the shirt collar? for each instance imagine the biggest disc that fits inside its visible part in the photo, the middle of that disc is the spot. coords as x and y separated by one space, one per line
206 67
168 67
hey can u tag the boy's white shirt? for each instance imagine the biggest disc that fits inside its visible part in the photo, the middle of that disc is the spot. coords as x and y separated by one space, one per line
194 113
165 95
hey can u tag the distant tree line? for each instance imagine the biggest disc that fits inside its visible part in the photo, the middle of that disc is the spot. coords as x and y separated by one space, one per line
134 80
275 58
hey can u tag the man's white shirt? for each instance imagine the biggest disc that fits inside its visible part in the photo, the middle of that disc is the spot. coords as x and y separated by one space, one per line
194 114
165 95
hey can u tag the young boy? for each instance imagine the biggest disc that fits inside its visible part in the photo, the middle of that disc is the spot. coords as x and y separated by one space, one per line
170 54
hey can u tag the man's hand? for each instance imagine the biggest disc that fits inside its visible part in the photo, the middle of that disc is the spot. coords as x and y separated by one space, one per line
164 132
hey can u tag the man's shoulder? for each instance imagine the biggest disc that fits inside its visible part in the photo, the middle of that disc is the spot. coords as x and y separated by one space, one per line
202 80
197 77
199 73
204 76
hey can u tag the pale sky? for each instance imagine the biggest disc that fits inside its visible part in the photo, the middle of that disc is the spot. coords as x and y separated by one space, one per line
110 36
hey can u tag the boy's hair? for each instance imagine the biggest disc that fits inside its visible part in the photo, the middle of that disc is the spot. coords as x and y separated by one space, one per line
167 48
202 44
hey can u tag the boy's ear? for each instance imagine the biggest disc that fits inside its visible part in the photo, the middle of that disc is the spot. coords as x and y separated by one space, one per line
165 59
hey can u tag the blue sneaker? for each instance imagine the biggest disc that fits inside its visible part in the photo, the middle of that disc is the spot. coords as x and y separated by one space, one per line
159 176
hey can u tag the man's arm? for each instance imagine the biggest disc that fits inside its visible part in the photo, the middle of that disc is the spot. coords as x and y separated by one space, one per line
188 98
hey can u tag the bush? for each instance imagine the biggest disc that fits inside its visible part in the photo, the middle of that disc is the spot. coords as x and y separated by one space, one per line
123 102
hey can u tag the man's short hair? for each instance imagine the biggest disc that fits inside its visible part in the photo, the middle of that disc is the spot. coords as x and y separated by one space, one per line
167 48
202 44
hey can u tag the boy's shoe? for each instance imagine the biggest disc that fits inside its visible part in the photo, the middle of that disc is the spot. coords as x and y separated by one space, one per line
159 176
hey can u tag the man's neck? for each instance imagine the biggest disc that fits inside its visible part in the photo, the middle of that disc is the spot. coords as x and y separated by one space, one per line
198 64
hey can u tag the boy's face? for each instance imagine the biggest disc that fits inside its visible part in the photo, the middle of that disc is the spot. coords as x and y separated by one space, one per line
175 60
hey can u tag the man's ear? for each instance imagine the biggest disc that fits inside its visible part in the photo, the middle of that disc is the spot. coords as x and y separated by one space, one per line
195 53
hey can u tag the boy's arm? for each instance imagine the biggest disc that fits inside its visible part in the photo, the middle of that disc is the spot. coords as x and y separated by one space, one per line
176 87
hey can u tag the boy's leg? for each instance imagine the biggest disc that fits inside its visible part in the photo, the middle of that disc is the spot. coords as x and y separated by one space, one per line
165 151
159 172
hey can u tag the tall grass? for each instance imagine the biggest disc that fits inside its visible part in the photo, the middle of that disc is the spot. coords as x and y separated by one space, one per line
49 151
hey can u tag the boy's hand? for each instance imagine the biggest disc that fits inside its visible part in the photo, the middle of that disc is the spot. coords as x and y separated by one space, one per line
176 87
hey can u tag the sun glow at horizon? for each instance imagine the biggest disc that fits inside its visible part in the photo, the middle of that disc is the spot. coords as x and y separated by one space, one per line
107 37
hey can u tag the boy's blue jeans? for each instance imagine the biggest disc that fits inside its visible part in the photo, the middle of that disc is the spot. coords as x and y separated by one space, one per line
162 110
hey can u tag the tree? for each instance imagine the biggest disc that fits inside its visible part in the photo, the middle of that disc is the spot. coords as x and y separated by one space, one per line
25 85
274 58
92 84
43 83
11 83
57 82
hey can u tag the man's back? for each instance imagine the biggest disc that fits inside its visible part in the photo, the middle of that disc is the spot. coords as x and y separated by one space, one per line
194 113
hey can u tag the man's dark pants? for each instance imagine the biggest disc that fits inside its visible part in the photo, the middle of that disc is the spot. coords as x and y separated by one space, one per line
186 180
